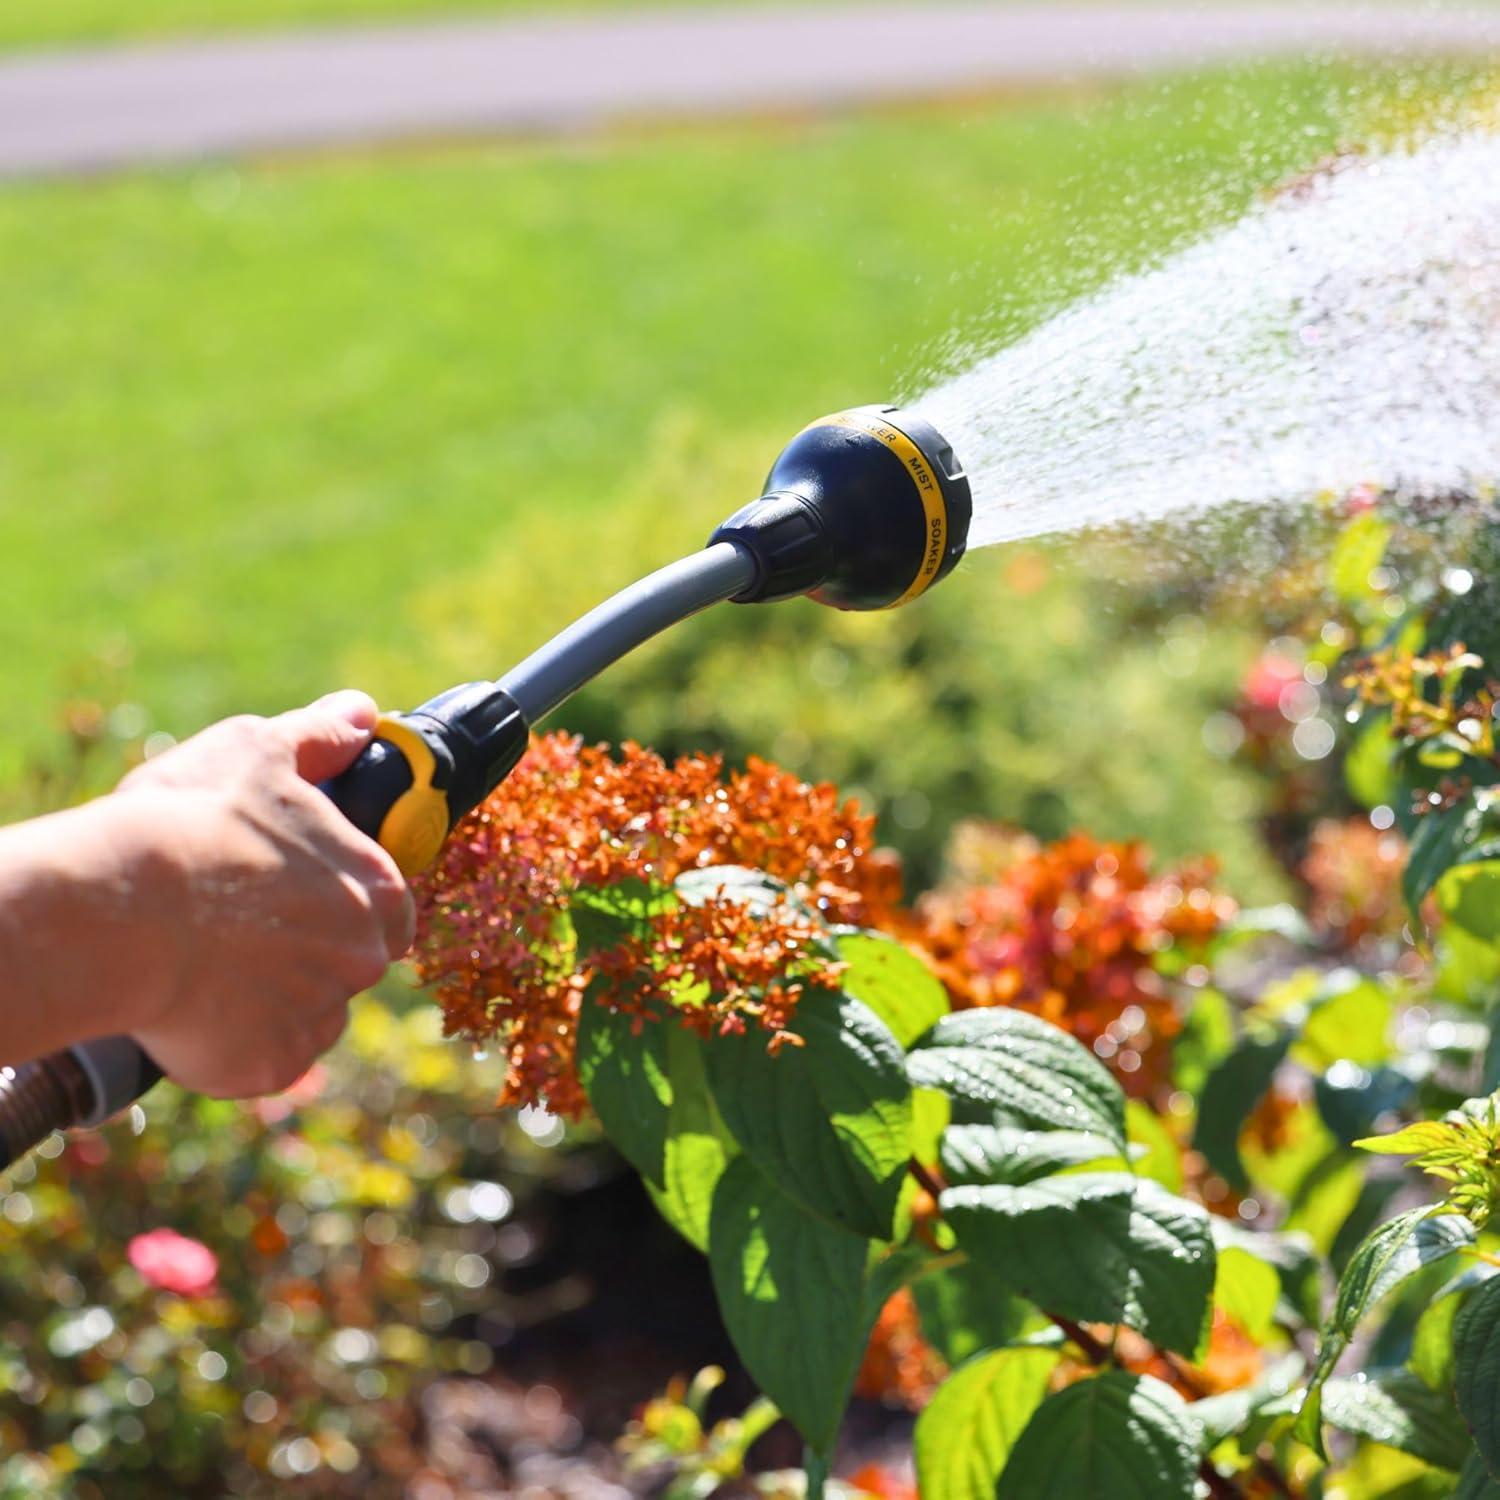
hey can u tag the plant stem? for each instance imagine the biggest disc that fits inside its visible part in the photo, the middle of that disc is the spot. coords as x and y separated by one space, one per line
926 1177
1095 1352
1217 1483
1274 1477
815 1466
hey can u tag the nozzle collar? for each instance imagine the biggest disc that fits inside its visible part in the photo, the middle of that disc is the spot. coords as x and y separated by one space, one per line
865 509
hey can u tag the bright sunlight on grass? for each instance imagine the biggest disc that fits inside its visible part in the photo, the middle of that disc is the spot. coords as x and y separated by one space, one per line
246 414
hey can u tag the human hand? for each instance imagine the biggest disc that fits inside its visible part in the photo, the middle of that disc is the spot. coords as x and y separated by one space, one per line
268 910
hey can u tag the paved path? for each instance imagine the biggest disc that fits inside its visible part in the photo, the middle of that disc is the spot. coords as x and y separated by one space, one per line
100 109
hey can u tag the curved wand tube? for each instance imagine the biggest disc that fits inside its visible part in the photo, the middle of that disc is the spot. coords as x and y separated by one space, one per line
552 674
87 1083
865 509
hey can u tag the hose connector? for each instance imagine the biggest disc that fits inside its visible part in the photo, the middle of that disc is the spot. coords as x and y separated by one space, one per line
864 509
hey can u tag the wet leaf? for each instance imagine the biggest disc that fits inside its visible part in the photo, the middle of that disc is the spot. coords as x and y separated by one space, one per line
1008 1154
1103 1438
1476 1369
829 1121
1398 1409
1388 1256
1007 1067
1102 1247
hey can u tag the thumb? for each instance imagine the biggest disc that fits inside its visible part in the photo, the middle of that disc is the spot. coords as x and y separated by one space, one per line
327 736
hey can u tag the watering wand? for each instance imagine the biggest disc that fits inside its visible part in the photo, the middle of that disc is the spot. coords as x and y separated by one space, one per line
865 509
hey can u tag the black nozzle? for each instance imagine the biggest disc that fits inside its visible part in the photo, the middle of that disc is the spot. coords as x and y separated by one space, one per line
865 509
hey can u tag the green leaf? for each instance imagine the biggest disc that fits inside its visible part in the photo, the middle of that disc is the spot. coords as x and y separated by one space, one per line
1369 767
1475 1483
603 916
791 1290
1292 1257
893 982
1410 1140
1113 1436
967 1308
1161 1160
1325 1193
622 1063
1432 1340
1468 970
1222 1416
1232 1091
1351 1099
1005 1153
1006 1067
1206 1038
698 1147
1476 1369
1104 1247
1439 839
1388 1256
930 1113
1431 1357
1351 1022
1355 555
967 1432
830 1121
1401 1411
1470 898
1248 1290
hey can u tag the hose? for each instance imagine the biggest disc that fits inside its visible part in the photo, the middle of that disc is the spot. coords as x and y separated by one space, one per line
87 1083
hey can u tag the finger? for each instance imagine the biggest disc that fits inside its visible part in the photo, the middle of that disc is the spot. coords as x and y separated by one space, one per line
325 1032
326 736
398 917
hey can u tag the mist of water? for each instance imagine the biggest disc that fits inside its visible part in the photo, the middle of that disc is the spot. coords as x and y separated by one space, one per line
1345 333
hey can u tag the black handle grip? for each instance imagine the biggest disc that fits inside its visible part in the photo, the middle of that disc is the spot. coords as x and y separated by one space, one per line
421 772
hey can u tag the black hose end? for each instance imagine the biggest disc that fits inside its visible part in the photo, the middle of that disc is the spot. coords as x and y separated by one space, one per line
865 509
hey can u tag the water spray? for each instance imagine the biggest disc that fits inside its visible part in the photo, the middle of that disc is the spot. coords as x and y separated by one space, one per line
864 510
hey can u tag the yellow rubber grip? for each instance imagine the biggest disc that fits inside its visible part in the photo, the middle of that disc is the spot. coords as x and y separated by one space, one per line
413 831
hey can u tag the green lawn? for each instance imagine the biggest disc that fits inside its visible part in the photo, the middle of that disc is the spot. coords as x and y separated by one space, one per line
31 23
45 23
248 417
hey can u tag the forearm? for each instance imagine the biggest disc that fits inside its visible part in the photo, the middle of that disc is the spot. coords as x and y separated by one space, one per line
80 893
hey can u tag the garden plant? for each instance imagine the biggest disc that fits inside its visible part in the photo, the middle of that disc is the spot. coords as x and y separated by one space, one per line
1102 1133
1107 1178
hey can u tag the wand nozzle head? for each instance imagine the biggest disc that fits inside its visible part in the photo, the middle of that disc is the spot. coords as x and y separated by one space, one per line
865 509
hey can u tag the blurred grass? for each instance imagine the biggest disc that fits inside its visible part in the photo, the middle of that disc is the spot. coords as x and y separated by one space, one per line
72 22
250 417
83 22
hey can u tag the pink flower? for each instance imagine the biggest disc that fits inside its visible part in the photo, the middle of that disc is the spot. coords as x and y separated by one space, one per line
174 1263
1266 680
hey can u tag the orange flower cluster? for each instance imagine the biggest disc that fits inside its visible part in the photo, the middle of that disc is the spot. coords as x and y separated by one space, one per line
1070 931
900 1367
496 938
1353 872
